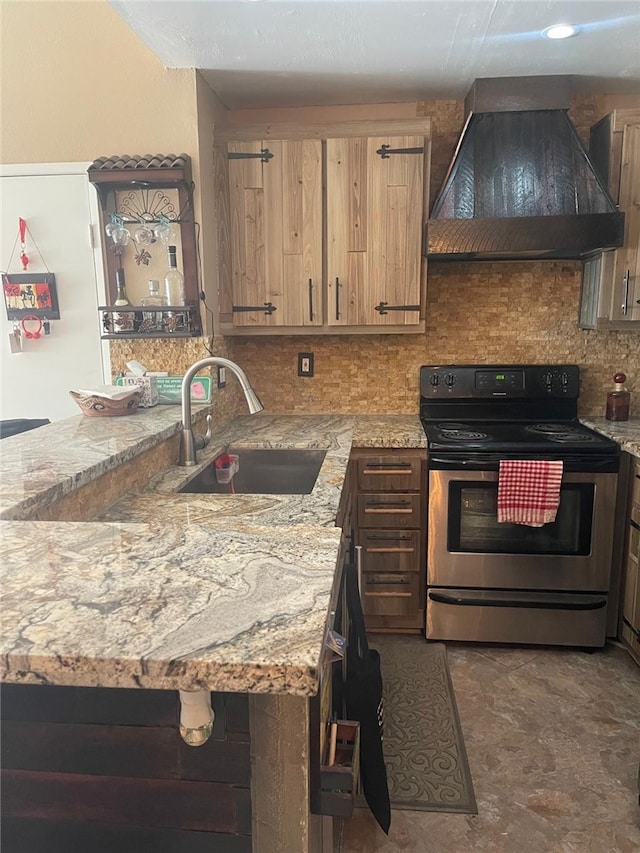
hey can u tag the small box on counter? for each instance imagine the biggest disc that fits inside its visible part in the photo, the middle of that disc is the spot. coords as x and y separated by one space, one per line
170 389
147 384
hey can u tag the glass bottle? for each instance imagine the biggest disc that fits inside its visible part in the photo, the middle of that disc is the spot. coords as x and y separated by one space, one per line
122 320
618 400
173 280
154 296
153 320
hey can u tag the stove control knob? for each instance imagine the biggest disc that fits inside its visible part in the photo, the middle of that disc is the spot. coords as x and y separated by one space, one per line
564 378
547 378
449 379
434 380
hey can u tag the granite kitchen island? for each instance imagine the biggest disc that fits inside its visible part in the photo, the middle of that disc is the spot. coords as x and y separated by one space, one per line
118 592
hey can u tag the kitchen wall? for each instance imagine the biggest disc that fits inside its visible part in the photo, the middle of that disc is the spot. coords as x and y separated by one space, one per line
77 84
476 312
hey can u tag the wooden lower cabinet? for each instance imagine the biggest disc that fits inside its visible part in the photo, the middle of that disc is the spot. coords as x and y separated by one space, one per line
390 528
630 629
102 769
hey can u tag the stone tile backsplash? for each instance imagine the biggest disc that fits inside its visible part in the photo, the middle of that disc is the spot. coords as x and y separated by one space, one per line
476 313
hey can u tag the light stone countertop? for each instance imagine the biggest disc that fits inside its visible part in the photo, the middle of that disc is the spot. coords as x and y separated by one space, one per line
157 606
215 591
626 433
43 465
335 433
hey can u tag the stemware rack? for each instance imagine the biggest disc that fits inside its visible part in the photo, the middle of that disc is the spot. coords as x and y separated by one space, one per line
132 189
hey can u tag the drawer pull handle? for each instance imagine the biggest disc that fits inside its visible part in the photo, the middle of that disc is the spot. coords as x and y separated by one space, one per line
382 537
382 510
400 503
394 464
385 580
390 550
386 472
388 595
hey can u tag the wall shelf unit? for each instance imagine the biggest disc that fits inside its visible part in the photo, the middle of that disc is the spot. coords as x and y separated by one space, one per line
148 190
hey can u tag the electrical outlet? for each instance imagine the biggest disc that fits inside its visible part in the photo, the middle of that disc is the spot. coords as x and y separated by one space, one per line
222 376
305 364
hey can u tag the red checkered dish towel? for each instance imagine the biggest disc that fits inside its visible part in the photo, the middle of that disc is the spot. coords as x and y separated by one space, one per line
529 491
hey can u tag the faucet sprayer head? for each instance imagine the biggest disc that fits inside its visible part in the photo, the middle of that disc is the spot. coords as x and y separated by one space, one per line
253 401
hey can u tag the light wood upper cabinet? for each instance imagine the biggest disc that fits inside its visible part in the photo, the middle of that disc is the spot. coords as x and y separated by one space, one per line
625 304
320 227
275 191
611 280
375 189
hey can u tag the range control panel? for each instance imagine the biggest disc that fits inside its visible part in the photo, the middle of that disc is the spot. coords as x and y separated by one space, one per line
529 381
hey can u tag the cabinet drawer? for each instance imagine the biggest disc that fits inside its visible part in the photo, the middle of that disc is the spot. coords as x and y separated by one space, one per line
390 550
389 594
388 473
631 602
389 510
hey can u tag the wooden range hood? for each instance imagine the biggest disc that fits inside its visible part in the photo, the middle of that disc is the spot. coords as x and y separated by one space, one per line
521 185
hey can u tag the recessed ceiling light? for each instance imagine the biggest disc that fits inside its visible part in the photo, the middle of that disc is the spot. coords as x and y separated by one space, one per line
560 31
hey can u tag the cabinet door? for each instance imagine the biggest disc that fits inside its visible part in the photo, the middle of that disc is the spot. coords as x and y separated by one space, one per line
631 599
374 230
276 232
625 304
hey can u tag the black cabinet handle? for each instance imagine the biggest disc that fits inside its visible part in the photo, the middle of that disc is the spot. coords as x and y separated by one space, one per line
385 151
266 308
338 286
392 537
391 465
311 300
384 307
264 155
388 581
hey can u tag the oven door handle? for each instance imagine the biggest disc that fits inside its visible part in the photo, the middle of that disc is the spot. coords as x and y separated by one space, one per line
470 601
491 462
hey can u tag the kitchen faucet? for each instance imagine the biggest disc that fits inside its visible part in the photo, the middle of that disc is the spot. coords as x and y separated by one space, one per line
190 443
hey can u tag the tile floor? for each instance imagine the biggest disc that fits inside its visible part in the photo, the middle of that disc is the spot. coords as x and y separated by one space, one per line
553 740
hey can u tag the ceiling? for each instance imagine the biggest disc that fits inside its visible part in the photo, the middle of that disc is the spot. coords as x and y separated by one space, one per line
270 53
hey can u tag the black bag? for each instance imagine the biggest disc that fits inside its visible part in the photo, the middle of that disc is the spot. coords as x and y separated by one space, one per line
363 701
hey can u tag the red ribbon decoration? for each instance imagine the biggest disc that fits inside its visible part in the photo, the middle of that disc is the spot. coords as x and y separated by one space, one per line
22 227
31 333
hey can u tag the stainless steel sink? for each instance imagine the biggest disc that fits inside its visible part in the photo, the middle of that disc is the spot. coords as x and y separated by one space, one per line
263 472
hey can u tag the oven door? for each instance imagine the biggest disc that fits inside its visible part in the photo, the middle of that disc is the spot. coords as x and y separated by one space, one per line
467 548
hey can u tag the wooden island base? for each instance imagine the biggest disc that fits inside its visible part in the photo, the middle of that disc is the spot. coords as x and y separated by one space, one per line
105 769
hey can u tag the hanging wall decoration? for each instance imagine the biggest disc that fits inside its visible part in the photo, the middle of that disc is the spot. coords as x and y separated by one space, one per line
28 294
